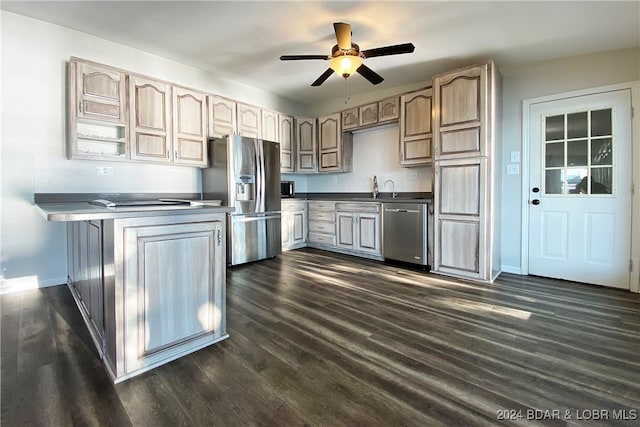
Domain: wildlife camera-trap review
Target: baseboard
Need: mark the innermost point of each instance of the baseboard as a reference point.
(19, 284)
(512, 269)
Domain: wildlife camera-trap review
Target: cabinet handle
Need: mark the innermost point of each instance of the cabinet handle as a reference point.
(219, 236)
(168, 156)
(175, 154)
(80, 107)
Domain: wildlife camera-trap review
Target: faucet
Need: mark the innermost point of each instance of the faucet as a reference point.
(375, 187)
(393, 187)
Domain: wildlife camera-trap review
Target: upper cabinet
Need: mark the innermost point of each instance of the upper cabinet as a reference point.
(371, 114)
(416, 132)
(335, 150)
(461, 100)
(306, 145)
(350, 118)
(249, 120)
(287, 149)
(270, 126)
(189, 127)
(388, 109)
(222, 116)
(150, 109)
(97, 112)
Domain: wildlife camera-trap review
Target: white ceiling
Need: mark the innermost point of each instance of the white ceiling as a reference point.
(242, 40)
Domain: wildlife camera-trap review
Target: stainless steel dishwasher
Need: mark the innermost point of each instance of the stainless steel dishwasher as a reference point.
(404, 232)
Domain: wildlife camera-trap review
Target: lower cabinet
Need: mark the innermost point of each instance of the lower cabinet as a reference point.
(160, 284)
(294, 224)
(322, 224)
(358, 227)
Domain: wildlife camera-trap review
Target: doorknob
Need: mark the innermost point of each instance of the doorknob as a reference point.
(535, 189)
(535, 202)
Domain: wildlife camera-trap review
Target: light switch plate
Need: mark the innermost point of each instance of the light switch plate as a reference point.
(413, 175)
(513, 169)
(515, 157)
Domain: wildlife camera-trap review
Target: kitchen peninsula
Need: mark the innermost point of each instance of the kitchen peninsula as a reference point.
(149, 279)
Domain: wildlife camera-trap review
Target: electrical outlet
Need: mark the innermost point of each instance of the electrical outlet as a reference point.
(104, 171)
(413, 175)
(335, 179)
(513, 169)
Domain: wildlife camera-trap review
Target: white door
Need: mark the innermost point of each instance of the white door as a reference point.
(580, 188)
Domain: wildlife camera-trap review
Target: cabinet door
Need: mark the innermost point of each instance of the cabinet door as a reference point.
(286, 232)
(415, 128)
(459, 217)
(100, 93)
(368, 114)
(350, 118)
(368, 233)
(189, 127)
(175, 275)
(346, 230)
(150, 108)
(249, 121)
(222, 117)
(461, 99)
(286, 144)
(388, 109)
(299, 228)
(329, 143)
(270, 126)
(306, 145)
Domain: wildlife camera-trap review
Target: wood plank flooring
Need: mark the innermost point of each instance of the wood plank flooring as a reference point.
(328, 340)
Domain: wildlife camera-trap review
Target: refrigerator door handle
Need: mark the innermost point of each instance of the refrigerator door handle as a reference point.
(261, 175)
(258, 174)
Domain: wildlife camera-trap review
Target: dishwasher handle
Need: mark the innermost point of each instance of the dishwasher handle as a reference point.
(402, 210)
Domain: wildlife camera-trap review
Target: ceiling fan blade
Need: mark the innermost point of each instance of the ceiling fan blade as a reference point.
(389, 50)
(343, 35)
(298, 57)
(323, 77)
(369, 74)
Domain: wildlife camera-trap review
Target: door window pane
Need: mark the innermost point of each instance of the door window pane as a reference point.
(577, 154)
(577, 125)
(553, 181)
(601, 152)
(601, 122)
(601, 180)
(554, 128)
(575, 179)
(554, 154)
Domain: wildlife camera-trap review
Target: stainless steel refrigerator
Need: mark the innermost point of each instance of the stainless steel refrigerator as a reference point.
(245, 173)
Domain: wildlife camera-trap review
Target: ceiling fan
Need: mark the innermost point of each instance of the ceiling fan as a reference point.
(346, 57)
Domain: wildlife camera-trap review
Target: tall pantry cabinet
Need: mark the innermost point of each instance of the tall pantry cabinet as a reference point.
(467, 186)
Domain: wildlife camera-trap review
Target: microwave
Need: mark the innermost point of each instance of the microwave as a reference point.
(287, 189)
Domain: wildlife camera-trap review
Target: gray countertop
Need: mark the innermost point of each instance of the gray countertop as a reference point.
(82, 211)
(365, 199)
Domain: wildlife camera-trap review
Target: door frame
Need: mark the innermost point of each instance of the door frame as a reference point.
(634, 87)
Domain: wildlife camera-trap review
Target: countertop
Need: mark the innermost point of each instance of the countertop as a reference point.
(75, 207)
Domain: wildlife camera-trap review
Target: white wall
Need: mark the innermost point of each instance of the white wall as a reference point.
(34, 56)
(537, 80)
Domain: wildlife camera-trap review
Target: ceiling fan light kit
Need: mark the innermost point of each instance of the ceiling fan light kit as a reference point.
(346, 58)
(345, 65)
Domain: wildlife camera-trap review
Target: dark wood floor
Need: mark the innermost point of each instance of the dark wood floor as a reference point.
(324, 339)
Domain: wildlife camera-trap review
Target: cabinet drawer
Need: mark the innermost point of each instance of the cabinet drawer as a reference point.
(322, 227)
(322, 239)
(359, 207)
(322, 216)
(292, 205)
(321, 206)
